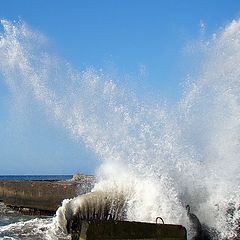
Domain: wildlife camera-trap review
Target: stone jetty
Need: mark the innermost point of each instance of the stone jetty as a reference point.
(44, 196)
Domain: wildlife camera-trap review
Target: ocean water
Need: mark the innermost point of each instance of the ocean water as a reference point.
(16, 226)
(36, 177)
(161, 155)
(9, 216)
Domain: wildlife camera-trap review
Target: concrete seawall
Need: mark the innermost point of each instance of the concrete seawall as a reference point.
(120, 230)
(42, 195)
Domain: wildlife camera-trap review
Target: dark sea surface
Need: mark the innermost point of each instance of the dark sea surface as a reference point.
(35, 177)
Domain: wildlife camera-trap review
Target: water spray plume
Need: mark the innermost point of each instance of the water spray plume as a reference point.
(162, 157)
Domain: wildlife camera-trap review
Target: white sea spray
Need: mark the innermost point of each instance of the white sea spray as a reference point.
(166, 156)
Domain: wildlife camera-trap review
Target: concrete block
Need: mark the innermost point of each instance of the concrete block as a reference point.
(123, 230)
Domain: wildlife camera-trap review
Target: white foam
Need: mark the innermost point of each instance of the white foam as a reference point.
(33, 229)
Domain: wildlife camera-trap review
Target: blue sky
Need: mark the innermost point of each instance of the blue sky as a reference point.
(124, 36)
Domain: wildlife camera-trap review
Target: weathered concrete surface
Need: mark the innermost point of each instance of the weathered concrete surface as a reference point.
(42, 195)
(110, 230)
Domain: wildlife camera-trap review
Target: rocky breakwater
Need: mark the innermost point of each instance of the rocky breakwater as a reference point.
(42, 196)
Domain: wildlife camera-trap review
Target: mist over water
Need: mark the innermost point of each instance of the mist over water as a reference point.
(161, 156)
